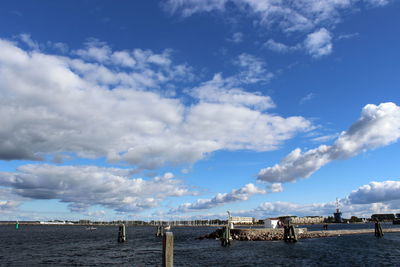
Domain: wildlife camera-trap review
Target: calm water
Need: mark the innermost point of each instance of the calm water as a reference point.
(75, 246)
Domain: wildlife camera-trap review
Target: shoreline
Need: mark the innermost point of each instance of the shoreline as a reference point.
(277, 234)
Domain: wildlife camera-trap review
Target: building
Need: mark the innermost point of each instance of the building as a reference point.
(241, 220)
(272, 223)
(338, 214)
(383, 217)
(307, 220)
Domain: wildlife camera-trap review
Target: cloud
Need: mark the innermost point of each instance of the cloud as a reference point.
(319, 43)
(375, 192)
(252, 69)
(190, 7)
(308, 97)
(348, 36)
(60, 106)
(324, 138)
(95, 50)
(280, 47)
(220, 90)
(378, 2)
(235, 195)
(375, 197)
(96, 214)
(85, 186)
(272, 209)
(8, 205)
(58, 46)
(237, 37)
(378, 126)
(276, 187)
(289, 16)
(26, 38)
(304, 16)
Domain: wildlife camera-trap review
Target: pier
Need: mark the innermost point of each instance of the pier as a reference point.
(265, 234)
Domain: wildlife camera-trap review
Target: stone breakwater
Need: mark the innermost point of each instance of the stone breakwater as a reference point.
(277, 234)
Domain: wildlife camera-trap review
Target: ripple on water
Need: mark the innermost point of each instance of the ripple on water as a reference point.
(75, 246)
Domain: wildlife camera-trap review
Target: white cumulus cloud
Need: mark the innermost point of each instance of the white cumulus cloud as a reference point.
(319, 43)
(376, 192)
(60, 106)
(85, 186)
(235, 195)
(378, 126)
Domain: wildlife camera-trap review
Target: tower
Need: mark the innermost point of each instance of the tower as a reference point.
(337, 215)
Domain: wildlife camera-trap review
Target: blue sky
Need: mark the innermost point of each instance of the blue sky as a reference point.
(185, 109)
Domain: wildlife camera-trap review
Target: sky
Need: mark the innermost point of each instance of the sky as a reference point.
(185, 109)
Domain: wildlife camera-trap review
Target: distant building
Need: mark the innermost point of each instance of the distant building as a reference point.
(271, 223)
(338, 214)
(55, 222)
(302, 220)
(383, 217)
(308, 220)
(241, 220)
(84, 222)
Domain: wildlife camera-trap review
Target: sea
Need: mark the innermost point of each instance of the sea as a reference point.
(52, 245)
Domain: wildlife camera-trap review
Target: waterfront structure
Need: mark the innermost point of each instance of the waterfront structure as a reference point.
(271, 223)
(241, 220)
(55, 222)
(383, 217)
(338, 214)
(302, 220)
(307, 220)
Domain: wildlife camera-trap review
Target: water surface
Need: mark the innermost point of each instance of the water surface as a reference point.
(75, 246)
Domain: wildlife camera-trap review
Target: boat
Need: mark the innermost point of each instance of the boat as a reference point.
(91, 228)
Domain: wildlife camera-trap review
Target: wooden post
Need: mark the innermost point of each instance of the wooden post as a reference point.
(226, 234)
(168, 249)
(293, 235)
(289, 233)
(378, 229)
(226, 237)
(160, 231)
(121, 234)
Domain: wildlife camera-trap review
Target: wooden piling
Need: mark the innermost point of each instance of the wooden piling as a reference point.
(378, 229)
(160, 231)
(168, 249)
(121, 234)
(289, 233)
(226, 237)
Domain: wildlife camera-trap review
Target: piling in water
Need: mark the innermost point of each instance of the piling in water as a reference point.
(378, 229)
(289, 233)
(226, 237)
(121, 234)
(168, 249)
(160, 231)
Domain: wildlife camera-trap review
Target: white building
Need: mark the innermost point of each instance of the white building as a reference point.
(308, 220)
(271, 223)
(241, 220)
